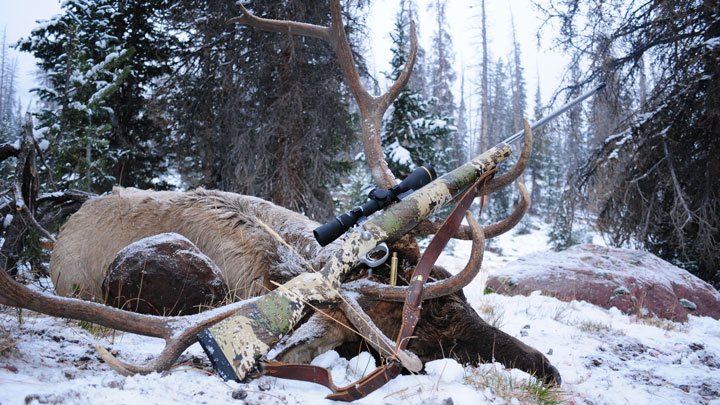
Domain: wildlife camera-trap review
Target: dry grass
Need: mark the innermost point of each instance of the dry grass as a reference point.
(6, 341)
(661, 323)
(508, 387)
(598, 327)
(492, 314)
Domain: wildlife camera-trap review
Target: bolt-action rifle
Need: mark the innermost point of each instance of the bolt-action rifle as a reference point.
(235, 344)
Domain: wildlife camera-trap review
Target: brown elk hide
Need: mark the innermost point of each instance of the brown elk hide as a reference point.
(224, 226)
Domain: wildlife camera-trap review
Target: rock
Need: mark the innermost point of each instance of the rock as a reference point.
(631, 280)
(445, 370)
(165, 274)
(239, 394)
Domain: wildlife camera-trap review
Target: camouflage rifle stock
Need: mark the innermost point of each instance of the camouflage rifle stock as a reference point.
(234, 345)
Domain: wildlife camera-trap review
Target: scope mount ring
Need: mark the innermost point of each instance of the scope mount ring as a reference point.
(370, 262)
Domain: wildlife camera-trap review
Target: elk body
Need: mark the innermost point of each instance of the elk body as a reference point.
(225, 226)
(232, 230)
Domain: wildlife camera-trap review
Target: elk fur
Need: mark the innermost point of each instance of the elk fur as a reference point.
(224, 226)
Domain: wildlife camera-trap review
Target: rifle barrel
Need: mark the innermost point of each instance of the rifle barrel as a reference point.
(544, 120)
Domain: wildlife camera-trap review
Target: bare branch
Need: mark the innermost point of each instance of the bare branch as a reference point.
(26, 180)
(8, 150)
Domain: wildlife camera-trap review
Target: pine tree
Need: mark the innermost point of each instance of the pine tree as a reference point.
(519, 96)
(443, 77)
(420, 76)
(543, 167)
(10, 118)
(483, 143)
(500, 124)
(461, 139)
(260, 113)
(656, 179)
(98, 59)
(412, 135)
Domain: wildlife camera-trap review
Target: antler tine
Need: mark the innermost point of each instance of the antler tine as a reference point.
(512, 174)
(439, 288)
(518, 213)
(293, 27)
(430, 227)
(372, 108)
(179, 332)
(374, 336)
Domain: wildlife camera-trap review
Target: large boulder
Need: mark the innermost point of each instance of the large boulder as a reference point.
(633, 281)
(165, 274)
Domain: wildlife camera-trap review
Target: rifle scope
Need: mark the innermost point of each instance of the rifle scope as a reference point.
(379, 199)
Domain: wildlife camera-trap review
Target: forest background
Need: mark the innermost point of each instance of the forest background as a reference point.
(166, 94)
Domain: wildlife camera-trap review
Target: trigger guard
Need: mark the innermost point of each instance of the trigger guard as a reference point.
(374, 263)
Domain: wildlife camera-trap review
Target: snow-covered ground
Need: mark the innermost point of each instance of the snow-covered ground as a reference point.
(603, 357)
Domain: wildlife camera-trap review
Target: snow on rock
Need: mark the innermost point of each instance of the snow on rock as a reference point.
(361, 365)
(445, 370)
(631, 280)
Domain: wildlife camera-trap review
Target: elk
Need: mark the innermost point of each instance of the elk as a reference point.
(80, 257)
(232, 230)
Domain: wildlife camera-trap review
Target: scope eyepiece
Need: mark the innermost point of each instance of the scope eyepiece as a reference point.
(379, 199)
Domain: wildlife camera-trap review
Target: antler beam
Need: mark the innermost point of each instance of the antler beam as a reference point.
(372, 108)
(179, 332)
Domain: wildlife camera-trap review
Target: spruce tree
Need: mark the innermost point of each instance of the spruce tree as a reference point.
(500, 125)
(98, 60)
(261, 113)
(10, 117)
(655, 180)
(412, 135)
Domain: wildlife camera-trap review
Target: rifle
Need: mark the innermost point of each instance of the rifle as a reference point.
(236, 343)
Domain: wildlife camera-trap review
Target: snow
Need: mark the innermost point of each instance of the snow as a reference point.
(399, 154)
(713, 42)
(8, 220)
(43, 144)
(445, 370)
(604, 356)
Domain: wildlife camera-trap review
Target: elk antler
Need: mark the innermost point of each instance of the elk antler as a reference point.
(371, 108)
(431, 226)
(179, 332)
(457, 282)
(491, 231)
(512, 174)
(437, 289)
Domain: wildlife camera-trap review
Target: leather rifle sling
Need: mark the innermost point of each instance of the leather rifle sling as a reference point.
(411, 314)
